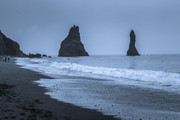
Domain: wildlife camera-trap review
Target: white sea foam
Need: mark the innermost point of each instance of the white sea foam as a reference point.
(144, 75)
(87, 84)
(74, 69)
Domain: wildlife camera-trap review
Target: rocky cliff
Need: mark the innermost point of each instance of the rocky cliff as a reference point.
(72, 46)
(132, 51)
(9, 47)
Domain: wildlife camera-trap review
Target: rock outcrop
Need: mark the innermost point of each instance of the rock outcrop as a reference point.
(38, 55)
(132, 51)
(72, 46)
(9, 47)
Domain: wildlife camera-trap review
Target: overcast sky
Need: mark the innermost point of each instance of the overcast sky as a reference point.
(39, 26)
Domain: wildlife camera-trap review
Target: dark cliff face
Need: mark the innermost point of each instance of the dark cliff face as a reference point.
(72, 46)
(132, 51)
(9, 47)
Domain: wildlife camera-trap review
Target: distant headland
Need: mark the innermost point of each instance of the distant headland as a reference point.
(9, 47)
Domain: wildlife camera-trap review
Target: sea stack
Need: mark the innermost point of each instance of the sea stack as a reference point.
(9, 47)
(72, 46)
(132, 51)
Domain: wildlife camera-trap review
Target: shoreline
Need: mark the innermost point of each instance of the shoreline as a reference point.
(23, 99)
(129, 102)
(126, 102)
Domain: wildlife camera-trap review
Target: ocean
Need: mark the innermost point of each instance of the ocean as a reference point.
(97, 82)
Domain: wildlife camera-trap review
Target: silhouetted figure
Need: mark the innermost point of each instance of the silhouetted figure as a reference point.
(5, 59)
(132, 51)
(8, 58)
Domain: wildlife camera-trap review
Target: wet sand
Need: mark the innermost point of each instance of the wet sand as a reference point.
(124, 101)
(21, 98)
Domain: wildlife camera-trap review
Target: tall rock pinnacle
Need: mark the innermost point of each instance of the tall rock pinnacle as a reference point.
(72, 46)
(132, 51)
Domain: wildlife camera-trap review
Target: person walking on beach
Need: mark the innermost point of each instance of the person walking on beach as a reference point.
(5, 59)
(8, 58)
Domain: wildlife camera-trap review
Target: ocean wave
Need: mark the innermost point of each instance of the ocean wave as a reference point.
(51, 67)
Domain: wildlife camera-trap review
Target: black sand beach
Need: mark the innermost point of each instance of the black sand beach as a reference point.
(21, 99)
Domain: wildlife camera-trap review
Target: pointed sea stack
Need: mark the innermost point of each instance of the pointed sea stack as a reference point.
(72, 46)
(132, 51)
(9, 47)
